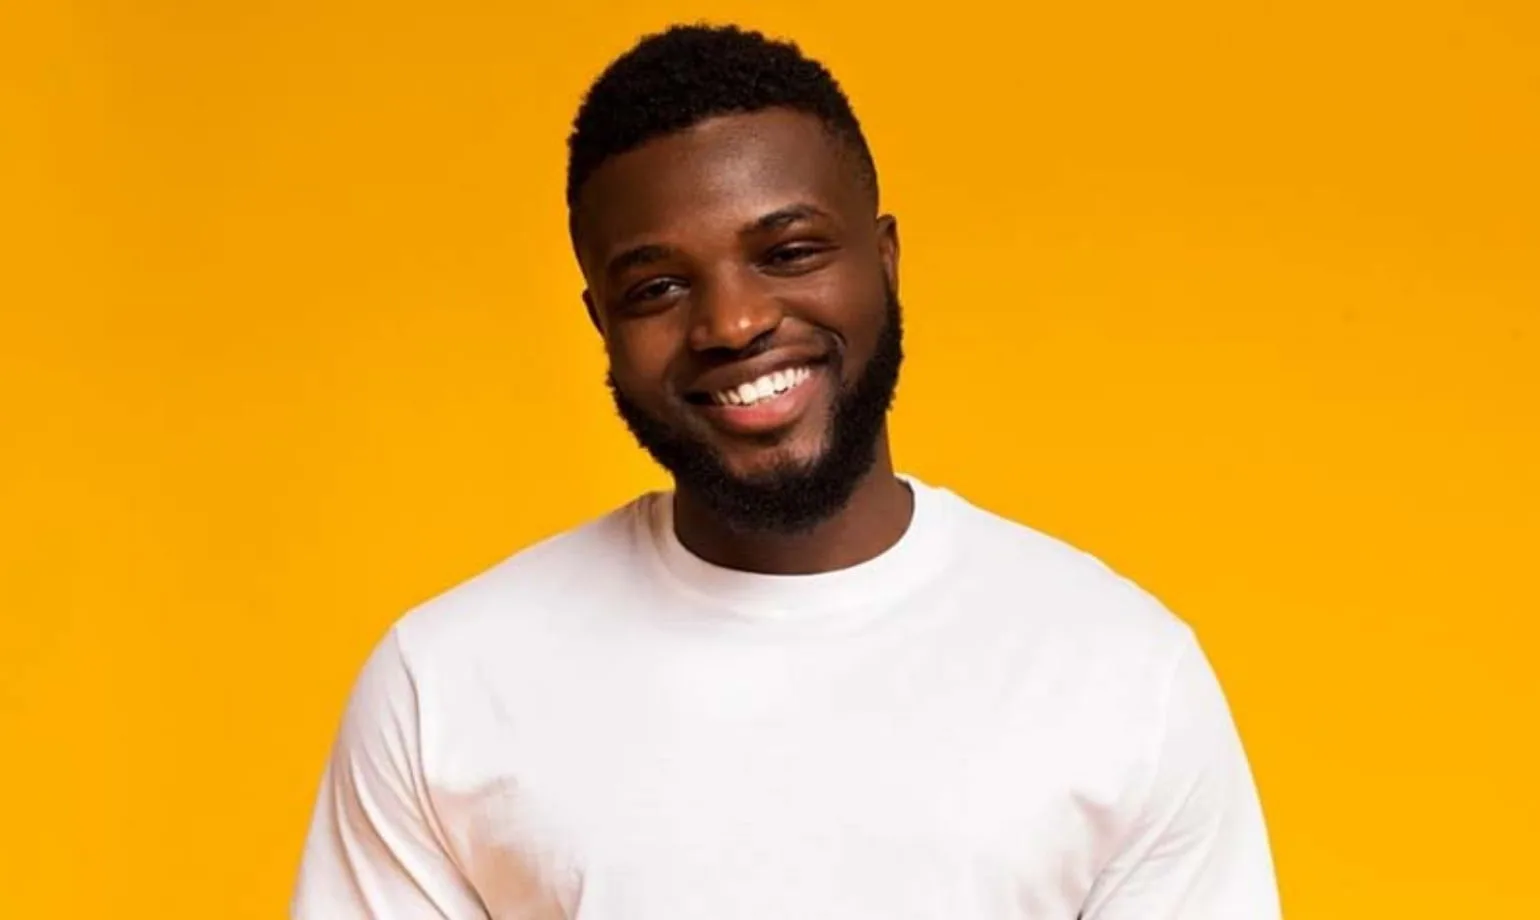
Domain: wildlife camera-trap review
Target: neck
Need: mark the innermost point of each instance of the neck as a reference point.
(870, 523)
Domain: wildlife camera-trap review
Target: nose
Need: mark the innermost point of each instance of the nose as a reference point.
(729, 312)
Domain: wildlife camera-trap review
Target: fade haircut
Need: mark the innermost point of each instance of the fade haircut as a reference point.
(672, 80)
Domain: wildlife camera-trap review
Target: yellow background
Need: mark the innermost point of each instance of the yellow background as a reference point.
(1243, 297)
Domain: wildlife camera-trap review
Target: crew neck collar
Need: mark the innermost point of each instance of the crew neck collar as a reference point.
(918, 554)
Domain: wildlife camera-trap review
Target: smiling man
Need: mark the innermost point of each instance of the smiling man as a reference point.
(798, 685)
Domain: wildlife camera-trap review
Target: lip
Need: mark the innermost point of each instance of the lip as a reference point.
(769, 415)
(737, 373)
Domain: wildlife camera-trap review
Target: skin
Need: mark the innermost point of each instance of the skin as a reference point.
(746, 242)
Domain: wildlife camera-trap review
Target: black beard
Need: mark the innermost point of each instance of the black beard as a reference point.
(796, 496)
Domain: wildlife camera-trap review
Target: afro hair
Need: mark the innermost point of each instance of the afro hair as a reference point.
(672, 80)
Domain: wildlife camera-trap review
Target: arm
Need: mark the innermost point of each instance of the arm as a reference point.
(374, 851)
(1200, 848)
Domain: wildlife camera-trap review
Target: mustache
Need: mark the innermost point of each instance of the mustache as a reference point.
(766, 341)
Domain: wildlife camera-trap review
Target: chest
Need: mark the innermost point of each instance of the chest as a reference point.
(775, 783)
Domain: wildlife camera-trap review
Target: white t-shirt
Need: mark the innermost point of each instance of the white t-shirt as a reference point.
(979, 724)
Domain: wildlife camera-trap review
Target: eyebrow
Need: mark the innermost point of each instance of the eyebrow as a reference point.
(637, 256)
(783, 217)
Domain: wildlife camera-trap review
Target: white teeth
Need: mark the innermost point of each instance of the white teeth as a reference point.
(764, 387)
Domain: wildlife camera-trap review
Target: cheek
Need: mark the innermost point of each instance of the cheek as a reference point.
(857, 313)
(639, 361)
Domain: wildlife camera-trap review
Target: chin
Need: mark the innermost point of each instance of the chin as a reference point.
(767, 469)
(772, 462)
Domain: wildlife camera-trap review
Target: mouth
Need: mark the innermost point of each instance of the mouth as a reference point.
(767, 403)
(760, 389)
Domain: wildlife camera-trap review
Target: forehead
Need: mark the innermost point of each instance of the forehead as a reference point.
(725, 170)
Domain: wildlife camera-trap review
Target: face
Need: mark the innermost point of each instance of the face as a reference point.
(746, 291)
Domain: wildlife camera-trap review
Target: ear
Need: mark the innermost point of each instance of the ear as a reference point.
(887, 248)
(593, 313)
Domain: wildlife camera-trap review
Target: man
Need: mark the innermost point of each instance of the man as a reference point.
(797, 686)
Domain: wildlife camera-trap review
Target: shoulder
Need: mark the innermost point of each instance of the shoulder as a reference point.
(1063, 592)
(519, 594)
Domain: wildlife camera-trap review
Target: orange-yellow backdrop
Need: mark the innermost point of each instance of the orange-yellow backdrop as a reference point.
(1244, 298)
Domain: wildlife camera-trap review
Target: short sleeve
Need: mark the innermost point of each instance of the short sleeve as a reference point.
(374, 851)
(1200, 849)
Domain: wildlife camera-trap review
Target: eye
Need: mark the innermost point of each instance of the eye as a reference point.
(797, 257)
(791, 254)
(655, 289)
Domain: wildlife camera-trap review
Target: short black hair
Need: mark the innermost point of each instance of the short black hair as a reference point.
(674, 79)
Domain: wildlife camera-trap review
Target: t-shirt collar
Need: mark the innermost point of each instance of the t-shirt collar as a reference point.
(916, 557)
